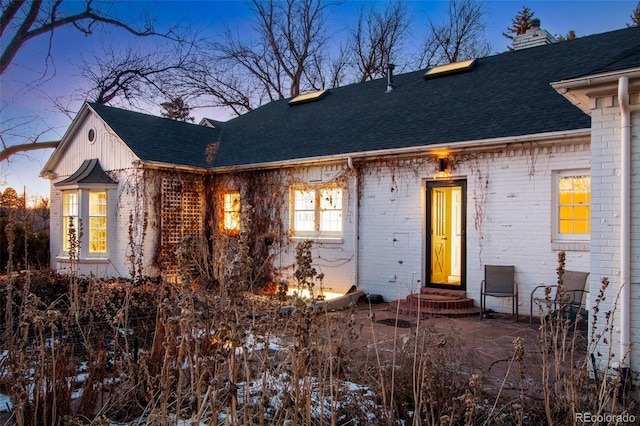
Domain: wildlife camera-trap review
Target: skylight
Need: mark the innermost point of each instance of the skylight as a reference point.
(308, 97)
(452, 68)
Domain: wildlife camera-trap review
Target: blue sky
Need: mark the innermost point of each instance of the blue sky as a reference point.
(61, 77)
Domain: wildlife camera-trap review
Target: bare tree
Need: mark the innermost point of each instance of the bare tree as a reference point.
(223, 85)
(377, 37)
(24, 20)
(11, 129)
(130, 75)
(460, 37)
(274, 62)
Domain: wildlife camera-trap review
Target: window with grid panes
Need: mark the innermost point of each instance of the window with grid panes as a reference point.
(70, 211)
(231, 211)
(97, 222)
(573, 205)
(317, 212)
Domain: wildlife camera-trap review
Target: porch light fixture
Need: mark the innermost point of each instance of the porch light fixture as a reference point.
(442, 164)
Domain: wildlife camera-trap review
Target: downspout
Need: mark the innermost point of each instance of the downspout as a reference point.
(625, 225)
(356, 223)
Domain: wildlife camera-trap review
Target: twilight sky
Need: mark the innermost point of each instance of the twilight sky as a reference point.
(21, 100)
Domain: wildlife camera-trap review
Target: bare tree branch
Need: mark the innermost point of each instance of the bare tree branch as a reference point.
(376, 38)
(42, 18)
(130, 75)
(277, 61)
(22, 21)
(14, 149)
(460, 37)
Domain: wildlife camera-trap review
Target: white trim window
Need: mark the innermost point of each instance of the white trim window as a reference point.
(97, 222)
(87, 209)
(317, 211)
(572, 217)
(70, 212)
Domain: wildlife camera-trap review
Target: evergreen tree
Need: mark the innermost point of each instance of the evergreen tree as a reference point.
(635, 17)
(520, 23)
(571, 35)
(176, 109)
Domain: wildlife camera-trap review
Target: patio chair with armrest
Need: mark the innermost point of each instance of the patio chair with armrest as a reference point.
(499, 281)
(574, 283)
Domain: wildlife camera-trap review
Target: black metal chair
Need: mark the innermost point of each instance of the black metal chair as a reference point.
(571, 304)
(499, 281)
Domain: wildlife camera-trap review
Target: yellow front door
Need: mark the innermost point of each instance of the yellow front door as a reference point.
(446, 233)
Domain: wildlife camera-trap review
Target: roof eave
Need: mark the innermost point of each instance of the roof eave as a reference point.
(56, 155)
(580, 90)
(394, 152)
(158, 165)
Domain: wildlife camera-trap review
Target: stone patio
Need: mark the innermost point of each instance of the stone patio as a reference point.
(487, 345)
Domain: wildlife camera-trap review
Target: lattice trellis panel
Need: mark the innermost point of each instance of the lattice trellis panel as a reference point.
(181, 216)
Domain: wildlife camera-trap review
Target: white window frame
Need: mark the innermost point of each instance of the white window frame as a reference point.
(564, 237)
(84, 214)
(310, 204)
(98, 222)
(70, 212)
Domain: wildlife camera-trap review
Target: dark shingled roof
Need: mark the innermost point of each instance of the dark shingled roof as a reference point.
(90, 171)
(160, 139)
(505, 95)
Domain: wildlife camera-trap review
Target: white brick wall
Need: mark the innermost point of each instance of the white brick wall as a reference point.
(605, 241)
(335, 259)
(516, 228)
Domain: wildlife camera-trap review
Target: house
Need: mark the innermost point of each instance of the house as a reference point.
(414, 181)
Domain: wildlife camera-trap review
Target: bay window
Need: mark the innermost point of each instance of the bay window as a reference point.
(86, 210)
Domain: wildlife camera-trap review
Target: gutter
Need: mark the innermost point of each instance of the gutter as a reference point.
(608, 77)
(394, 152)
(356, 224)
(625, 223)
(157, 165)
(580, 97)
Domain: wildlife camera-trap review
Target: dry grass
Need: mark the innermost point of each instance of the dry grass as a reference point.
(86, 351)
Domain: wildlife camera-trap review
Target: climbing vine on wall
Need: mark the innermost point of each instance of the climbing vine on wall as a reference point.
(262, 196)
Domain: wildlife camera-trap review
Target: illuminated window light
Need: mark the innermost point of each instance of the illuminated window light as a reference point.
(231, 212)
(452, 68)
(308, 97)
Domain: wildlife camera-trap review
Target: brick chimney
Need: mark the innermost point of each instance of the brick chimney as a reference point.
(535, 36)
